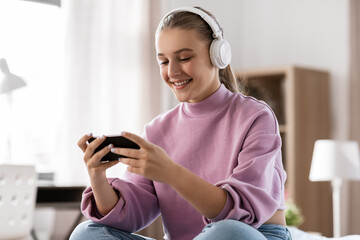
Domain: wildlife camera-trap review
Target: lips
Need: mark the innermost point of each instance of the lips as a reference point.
(181, 84)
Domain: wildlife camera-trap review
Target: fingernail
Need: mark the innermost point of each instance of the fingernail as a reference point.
(122, 133)
(111, 146)
(89, 134)
(102, 137)
(119, 159)
(112, 149)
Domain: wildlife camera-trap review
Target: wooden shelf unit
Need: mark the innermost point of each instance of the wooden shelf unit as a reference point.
(299, 98)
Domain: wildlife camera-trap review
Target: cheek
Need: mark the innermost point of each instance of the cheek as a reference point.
(164, 73)
(191, 69)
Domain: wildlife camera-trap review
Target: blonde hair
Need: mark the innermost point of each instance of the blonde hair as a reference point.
(191, 21)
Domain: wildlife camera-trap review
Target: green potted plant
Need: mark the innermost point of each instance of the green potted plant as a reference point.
(293, 214)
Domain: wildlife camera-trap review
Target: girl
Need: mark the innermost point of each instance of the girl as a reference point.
(211, 166)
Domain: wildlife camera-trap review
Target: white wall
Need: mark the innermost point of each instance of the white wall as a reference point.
(309, 33)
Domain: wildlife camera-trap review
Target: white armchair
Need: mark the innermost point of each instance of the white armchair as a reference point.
(17, 201)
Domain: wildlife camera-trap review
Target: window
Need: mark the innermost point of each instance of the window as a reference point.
(32, 42)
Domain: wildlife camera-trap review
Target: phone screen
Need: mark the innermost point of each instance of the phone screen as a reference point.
(117, 141)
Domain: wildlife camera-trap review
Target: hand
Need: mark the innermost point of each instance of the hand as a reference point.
(92, 160)
(104, 194)
(150, 161)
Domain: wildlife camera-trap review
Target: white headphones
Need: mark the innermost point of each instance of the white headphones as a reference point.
(220, 50)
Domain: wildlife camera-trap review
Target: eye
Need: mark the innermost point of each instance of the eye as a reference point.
(163, 62)
(185, 59)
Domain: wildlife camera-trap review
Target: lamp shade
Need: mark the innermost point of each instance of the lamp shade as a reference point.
(9, 81)
(335, 159)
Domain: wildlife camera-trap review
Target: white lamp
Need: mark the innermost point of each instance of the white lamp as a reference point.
(335, 161)
(8, 83)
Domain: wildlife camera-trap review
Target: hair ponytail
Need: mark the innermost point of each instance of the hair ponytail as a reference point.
(228, 78)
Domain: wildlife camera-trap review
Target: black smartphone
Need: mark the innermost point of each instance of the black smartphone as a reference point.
(117, 141)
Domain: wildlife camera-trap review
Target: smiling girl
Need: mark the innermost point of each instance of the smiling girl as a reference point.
(211, 166)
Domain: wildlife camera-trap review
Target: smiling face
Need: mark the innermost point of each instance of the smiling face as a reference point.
(185, 64)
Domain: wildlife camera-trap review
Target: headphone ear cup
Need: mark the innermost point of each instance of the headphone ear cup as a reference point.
(220, 53)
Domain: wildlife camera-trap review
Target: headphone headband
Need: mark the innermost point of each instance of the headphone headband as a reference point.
(217, 32)
(220, 50)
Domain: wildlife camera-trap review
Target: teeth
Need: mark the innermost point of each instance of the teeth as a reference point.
(181, 83)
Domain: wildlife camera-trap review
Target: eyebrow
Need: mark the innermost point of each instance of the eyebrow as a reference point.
(179, 51)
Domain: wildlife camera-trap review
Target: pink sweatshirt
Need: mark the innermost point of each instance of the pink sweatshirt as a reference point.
(228, 139)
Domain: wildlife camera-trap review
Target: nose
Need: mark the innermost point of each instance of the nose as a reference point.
(174, 69)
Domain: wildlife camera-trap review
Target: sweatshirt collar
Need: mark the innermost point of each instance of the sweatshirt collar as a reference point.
(212, 103)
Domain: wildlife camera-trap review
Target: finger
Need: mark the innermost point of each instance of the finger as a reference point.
(100, 154)
(95, 160)
(104, 165)
(92, 146)
(131, 162)
(128, 152)
(135, 138)
(82, 142)
(135, 170)
(109, 164)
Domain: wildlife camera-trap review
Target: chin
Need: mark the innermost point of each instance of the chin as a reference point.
(182, 98)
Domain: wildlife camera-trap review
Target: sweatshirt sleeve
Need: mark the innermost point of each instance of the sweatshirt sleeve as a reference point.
(137, 206)
(255, 187)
